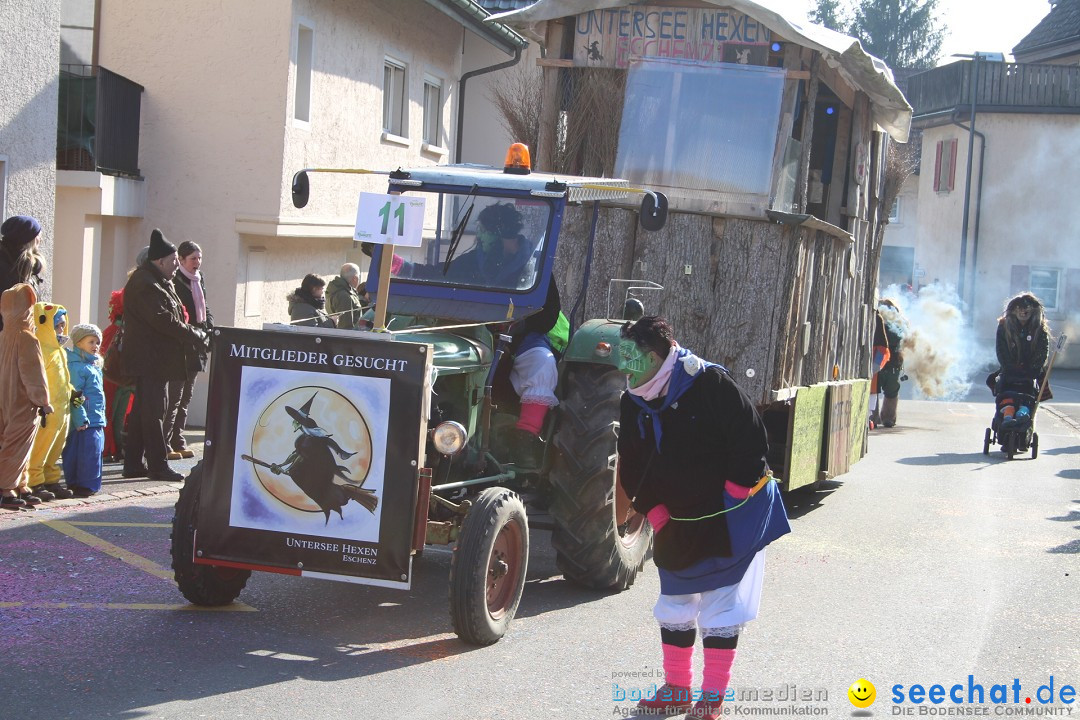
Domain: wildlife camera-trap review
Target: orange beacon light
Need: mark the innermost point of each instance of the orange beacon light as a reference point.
(518, 161)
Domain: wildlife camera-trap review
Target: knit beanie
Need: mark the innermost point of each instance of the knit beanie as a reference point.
(19, 230)
(84, 330)
(159, 246)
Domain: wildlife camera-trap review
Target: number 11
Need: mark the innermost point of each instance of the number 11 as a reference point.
(399, 214)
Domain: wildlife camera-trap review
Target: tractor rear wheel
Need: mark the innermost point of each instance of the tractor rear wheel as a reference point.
(209, 585)
(600, 541)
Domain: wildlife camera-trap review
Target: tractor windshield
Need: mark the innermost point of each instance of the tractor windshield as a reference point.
(484, 242)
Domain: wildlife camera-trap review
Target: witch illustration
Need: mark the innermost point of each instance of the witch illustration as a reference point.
(313, 468)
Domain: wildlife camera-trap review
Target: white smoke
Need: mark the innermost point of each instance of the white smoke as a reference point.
(941, 354)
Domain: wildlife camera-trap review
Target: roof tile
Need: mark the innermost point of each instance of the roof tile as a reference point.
(1061, 23)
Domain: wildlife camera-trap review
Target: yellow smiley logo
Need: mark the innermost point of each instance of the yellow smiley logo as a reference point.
(862, 693)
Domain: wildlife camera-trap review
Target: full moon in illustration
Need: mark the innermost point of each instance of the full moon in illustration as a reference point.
(274, 437)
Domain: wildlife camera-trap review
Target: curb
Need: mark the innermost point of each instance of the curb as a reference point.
(1062, 417)
(101, 497)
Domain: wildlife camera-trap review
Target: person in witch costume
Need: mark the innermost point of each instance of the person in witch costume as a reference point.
(692, 458)
(312, 466)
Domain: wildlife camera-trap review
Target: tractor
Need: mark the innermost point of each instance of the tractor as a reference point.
(469, 479)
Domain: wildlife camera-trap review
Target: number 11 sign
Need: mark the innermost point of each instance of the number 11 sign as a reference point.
(390, 219)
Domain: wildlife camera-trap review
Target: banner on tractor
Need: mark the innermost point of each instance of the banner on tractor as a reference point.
(314, 443)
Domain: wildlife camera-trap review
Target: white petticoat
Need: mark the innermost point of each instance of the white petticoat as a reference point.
(534, 376)
(720, 612)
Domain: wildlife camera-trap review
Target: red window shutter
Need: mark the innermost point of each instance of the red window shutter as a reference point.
(952, 164)
(937, 168)
(1020, 280)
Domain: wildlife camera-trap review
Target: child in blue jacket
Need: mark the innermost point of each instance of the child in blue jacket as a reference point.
(86, 436)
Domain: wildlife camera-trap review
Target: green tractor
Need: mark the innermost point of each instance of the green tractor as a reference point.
(476, 481)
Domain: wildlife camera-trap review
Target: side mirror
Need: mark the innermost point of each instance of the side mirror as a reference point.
(653, 213)
(301, 189)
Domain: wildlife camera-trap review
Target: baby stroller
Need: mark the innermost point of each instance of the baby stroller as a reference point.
(1016, 433)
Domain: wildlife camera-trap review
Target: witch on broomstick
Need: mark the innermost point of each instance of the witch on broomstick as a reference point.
(312, 466)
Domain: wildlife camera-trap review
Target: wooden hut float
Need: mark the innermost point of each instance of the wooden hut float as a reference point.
(769, 137)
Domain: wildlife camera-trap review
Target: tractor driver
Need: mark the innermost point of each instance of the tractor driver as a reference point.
(500, 258)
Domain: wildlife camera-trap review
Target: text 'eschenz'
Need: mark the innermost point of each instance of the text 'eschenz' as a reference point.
(251, 352)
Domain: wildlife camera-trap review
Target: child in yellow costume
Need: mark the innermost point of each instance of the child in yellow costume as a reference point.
(23, 391)
(50, 325)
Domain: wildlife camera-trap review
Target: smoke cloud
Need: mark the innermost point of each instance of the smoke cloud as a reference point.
(941, 354)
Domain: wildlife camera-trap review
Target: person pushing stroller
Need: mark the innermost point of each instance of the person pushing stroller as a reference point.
(1023, 346)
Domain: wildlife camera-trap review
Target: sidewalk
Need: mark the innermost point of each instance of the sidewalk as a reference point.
(116, 487)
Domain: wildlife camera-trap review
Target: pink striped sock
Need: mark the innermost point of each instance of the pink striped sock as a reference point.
(677, 665)
(717, 674)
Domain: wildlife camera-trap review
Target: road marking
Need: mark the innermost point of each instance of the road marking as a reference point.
(91, 523)
(136, 561)
(235, 607)
(432, 647)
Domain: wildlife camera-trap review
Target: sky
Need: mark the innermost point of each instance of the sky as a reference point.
(983, 25)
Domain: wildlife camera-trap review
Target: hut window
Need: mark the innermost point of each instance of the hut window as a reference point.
(700, 130)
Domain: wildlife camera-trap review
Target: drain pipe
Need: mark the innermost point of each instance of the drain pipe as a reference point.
(461, 96)
(978, 212)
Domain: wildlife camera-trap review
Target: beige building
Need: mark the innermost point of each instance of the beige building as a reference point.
(29, 56)
(232, 108)
(1021, 231)
(232, 99)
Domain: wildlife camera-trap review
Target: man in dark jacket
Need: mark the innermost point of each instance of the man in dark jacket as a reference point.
(343, 301)
(157, 348)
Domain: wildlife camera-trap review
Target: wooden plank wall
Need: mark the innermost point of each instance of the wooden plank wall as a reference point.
(753, 285)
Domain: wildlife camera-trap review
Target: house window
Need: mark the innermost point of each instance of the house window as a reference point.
(1044, 283)
(894, 211)
(395, 119)
(945, 166)
(305, 48)
(433, 112)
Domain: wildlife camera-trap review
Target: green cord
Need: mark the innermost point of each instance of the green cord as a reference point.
(718, 512)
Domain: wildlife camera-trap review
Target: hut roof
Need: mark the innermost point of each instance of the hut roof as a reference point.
(865, 72)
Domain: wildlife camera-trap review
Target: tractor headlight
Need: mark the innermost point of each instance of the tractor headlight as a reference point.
(449, 437)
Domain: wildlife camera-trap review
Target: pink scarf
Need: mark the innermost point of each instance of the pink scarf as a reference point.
(196, 294)
(658, 385)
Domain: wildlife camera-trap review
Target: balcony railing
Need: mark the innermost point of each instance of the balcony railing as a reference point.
(98, 121)
(1002, 87)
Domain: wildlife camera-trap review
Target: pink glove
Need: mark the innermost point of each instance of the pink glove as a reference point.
(396, 263)
(739, 492)
(658, 517)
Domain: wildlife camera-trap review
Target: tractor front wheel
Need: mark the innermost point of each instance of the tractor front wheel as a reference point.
(600, 541)
(487, 570)
(208, 585)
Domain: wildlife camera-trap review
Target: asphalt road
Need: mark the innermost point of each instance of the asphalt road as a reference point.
(928, 563)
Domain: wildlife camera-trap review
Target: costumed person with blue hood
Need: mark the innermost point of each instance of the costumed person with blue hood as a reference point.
(692, 458)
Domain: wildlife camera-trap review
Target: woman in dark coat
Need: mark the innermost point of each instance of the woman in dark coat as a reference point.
(1023, 346)
(191, 289)
(692, 458)
(307, 303)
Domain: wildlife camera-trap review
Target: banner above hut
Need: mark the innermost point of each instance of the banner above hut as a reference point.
(612, 37)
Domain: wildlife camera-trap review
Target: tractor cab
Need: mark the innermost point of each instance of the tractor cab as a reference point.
(490, 241)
